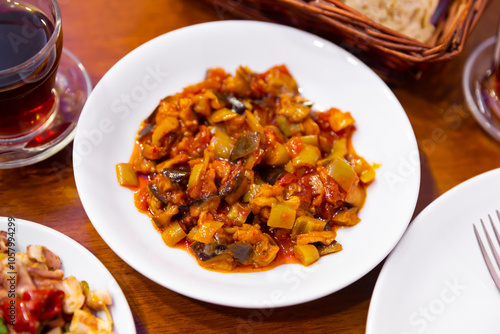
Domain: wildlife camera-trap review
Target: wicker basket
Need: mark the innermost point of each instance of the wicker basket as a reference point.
(393, 55)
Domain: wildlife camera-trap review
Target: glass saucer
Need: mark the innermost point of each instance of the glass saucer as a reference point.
(72, 88)
(478, 63)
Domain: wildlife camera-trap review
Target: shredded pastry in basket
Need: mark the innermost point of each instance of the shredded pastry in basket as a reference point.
(241, 171)
(409, 17)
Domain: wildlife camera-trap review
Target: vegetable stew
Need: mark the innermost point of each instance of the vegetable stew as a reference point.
(242, 170)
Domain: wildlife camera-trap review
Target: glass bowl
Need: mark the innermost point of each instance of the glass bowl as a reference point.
(478, 63)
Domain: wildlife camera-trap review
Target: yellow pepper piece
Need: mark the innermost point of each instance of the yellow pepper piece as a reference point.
(168, 125)
(356, 196)
(347, 217)
(126, 175)
(365, 171)
(307, 157)
(340, 120)
(206, 231)
(192, 233)
(282, 215)
(253, 189)
(339, 149)
(221, 115)
(253, 122)
(288, 128)
(310, 140)
(283, 125)
(343, 173)
(195, 175)
(173, 234)
(289, 167)
(277, 156)
(325, 237)
(239, 213)
(368, 175)
(306, 254)
(222, 144)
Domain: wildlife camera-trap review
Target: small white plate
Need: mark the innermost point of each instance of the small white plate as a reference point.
(435, 280)
(76, 261)
(327, 75)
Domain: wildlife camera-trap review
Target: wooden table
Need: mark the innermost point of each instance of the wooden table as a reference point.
(453, 149)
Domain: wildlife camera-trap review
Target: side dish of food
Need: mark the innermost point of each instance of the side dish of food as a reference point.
(36, 297)
(242, 172)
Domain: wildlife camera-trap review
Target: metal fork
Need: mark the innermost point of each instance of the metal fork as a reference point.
(486, 256)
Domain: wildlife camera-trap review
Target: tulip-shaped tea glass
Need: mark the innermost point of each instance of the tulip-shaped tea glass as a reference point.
(43, 87)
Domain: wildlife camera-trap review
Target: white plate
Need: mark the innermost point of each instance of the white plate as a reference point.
(327, 75)
(435, 280)
(76, 261)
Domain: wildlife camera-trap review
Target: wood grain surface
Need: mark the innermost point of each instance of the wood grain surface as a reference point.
(453, 148)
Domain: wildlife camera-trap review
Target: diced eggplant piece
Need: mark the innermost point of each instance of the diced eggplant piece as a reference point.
(156, 192)
(150, 124)
(245, 144)
(232, 184)
(176, 175)
(203, 200)
(306, 224)
(232, 102)
(241, 250)
(205, 252)
(152, 117)
(221, 97)
(236, 105)
(234, 188)
(183, 212)
(271, 174)
(222, 238)
(157, 223)
(202, 120)
(328, 249)
(147, 129)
